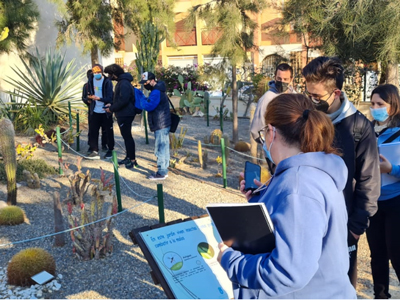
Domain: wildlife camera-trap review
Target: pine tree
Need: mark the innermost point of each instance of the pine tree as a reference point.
(19, 16)
(234, 20)
(89, 24)
(364, 30)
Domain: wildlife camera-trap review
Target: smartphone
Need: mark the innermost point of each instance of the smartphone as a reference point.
(251, 172)
(105, 107)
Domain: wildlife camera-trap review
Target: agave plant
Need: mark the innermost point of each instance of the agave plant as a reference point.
(49, 82)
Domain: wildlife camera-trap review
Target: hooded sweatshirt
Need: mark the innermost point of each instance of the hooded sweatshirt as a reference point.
(311, 260)
(345, 110)
(258, 119)
(124, 97)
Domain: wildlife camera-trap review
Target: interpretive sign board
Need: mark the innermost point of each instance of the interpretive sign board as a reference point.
(183, 257)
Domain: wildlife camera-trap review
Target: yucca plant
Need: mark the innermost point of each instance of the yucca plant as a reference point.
(49, 82)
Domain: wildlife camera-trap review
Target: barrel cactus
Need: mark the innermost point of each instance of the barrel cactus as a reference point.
(27, 263)
(7, 149)
(216, 136)
(11, 215)
(242, 146)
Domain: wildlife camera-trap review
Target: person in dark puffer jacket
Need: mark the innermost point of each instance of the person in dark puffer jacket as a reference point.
(159, 119)
(124, 108)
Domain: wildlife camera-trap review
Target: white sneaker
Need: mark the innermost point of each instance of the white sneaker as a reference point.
(200, 114)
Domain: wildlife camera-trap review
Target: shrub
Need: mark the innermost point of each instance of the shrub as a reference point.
(27, 263)
(11, 215)
(38, 166)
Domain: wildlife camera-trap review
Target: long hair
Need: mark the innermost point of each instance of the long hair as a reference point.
(390, 94)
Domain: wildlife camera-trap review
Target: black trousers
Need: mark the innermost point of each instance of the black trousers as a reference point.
(103, 134)
(105, 122)
(352, 243)
(383, 237)
(125, 126)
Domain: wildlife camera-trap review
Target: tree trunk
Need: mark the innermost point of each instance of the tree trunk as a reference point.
(392, 73)
(94, 55)
(235, 106)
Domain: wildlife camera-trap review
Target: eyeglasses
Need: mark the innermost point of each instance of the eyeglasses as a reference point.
(317, 98)
(261, 134)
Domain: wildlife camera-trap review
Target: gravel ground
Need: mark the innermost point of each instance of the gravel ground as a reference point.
(125, 274)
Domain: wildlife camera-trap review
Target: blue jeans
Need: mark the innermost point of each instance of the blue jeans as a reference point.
(162, 150)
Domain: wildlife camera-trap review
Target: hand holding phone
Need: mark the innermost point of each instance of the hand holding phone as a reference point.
(251, 172)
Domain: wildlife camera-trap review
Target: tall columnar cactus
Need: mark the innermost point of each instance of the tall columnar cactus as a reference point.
(7, 149)
(148, 47)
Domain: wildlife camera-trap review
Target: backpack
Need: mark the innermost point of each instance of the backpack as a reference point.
(358, 129)
(137, 95)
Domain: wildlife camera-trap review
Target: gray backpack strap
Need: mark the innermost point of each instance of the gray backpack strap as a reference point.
(358, 129)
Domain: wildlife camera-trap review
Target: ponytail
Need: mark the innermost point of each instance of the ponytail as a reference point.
(300, 124)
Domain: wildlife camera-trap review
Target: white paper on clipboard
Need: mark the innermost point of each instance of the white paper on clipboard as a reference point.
(392, 153)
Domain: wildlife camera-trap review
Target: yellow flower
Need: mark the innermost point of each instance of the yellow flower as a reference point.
(219, 160)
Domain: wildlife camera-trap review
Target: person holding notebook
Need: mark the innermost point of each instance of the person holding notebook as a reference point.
(383, 234)
(306, 206)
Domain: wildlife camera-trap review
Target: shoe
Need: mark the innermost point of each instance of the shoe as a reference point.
(94, 155)
(124, 161)
(157, 176)
(108, 154)
(104, 148)
(200, 113)
(90, 150)
(131, 164)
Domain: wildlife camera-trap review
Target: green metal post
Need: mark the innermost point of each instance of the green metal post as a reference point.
(207, 99)
(221, 113)
(160, 197)
(77, 132)
(145, 126)
(58, 135)
(223, 162)
(116, 178)
(70, 116)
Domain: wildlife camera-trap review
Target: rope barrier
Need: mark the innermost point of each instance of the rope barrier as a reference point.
(78, 227)
(80, 154)
(245, 154)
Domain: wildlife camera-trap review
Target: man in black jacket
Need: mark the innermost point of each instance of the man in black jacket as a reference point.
(87, 101)
(100, 93)
(355, 138)
(124, 108)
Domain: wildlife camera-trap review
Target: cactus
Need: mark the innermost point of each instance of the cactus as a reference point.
(216, 136)
(79, 183)
(189, 98)
(242, 146)
(205, 159)
(33, 181)
(27, 263)
(206, 139)
(89, 241)
(11, 215)
(59, 239)
(7, 148)
(148, 47)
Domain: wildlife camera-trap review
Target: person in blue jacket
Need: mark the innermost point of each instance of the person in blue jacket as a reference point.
(305, 201)
(383, 234)
(159, 119)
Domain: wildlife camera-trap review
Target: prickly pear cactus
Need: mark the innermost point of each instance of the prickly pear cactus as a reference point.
(7, 149)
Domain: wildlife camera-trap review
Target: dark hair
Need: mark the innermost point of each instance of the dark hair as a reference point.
(390, 94)
(294, 116)
(284, 67)
(327, 70)
(114, 69)
(88, 73)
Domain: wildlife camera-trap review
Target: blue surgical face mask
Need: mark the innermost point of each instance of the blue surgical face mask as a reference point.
(268, 151)
(97, 76)
(379, 114)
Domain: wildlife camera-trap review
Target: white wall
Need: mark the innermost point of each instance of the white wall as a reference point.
(44, 37)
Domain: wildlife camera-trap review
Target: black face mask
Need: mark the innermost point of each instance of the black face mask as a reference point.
(148, 87)
(281, 86)
(322, 106)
